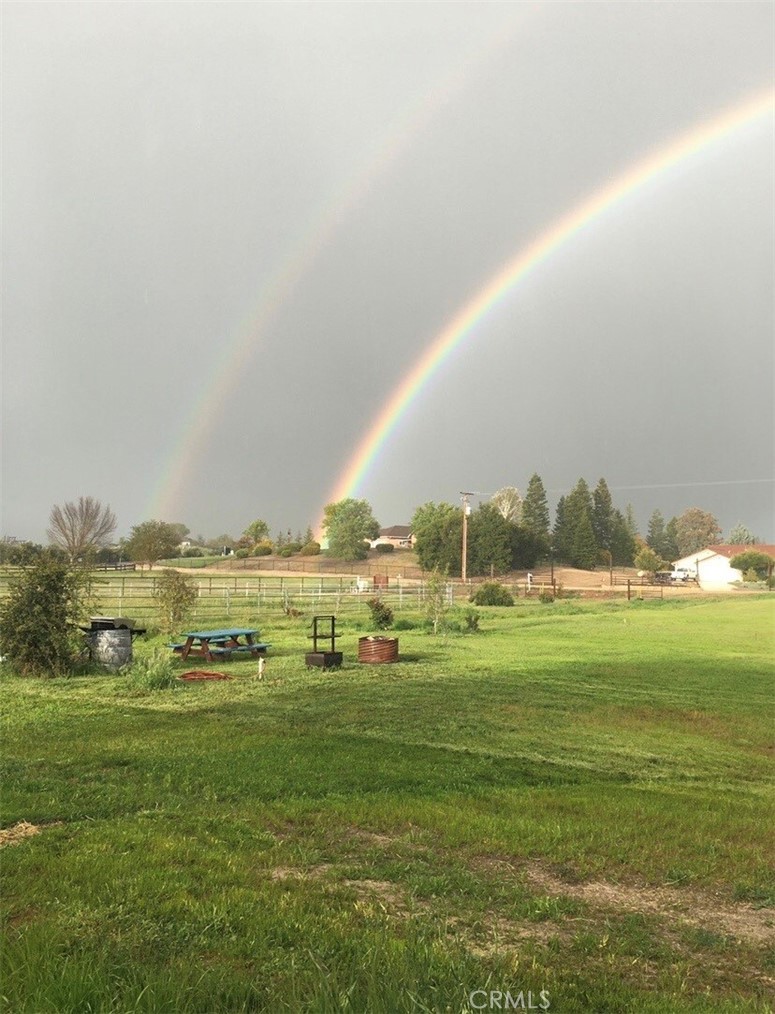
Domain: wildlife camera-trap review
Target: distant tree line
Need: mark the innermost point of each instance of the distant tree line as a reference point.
(509, 532)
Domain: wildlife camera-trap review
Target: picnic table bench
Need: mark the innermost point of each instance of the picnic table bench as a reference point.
(221, 644)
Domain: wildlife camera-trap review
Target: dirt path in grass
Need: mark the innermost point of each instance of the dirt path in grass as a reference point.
(697, 908)
(701, 909)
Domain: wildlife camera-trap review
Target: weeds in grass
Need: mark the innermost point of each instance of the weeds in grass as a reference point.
(155, 671)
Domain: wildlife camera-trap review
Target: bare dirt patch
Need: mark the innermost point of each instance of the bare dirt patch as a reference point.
(292, 873)
(385, 892)
(371, 837)
(695, 908)
(13, 835)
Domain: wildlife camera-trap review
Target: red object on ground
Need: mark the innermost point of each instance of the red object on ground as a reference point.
(201, 674)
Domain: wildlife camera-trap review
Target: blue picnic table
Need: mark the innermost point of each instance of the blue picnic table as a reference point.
(221, 644)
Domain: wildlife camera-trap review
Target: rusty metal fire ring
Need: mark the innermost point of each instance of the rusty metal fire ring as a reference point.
(376, 650)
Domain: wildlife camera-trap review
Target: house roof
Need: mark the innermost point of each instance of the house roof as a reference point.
(396, 532)
(728, 550)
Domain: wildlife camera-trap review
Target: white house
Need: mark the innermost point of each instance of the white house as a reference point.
(399, 536)
(711, 566)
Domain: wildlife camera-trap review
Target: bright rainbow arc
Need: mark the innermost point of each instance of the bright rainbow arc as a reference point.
(531, 257)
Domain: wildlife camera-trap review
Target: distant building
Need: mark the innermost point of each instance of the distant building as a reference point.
(399, 536)
(711, 567)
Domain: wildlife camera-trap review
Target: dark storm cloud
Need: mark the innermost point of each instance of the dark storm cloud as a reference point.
(161, 160)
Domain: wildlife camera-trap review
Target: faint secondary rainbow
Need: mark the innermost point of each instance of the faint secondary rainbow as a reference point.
(556, 236)
(239, 346)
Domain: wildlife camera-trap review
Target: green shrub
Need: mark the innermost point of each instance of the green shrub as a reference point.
(192, 552)
(384, 547)
(286, 551)
(471, 620)
(546, 597)
(39, 619)
(492, 594)
(262, 549)
(753, 559)
(381, 614)
(311, 549)
(242, 553)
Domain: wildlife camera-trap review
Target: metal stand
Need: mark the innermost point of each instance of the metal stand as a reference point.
(324, 629)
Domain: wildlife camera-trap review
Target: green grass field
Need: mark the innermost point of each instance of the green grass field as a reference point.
(573, 800)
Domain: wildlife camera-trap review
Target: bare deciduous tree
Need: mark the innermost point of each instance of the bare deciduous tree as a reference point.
(508, 503)
(81, 528)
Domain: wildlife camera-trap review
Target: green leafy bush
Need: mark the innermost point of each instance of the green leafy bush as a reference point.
(492, 594)
(546, 597)
(286, 551)
(471, 620)
(384, 547)
(755, 560)
(39, 619)
(242, 553)
(381, 614)
(262, 549)
(311, 549)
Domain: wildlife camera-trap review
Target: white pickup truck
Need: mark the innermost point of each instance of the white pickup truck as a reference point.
(681, 574)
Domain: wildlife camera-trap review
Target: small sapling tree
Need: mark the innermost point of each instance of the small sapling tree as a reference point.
(437, 599)
(175, 595)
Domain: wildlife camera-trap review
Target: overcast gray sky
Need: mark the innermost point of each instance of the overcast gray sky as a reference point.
(230, 230)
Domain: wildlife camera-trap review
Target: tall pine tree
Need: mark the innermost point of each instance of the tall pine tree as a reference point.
(602, 515)
(584, 551)
(535, 509)
(623, 545)
(560, 542)
(574, 534)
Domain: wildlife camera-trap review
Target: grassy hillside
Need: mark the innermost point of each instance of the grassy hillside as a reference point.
(572, 800)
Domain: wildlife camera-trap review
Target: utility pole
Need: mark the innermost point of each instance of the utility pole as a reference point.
(466, 512)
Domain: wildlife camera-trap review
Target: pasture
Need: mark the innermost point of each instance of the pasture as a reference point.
(570, 806)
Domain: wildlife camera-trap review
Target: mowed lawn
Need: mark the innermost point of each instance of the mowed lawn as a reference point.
(574, 800)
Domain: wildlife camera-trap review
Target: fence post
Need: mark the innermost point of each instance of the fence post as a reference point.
(629, 592)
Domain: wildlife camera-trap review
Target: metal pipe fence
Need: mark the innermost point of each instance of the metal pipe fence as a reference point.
(244, 597)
